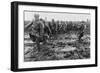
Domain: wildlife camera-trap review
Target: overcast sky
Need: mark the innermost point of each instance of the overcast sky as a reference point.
(29, 15)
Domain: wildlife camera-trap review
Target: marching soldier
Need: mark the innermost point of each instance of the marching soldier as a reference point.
(81, 31)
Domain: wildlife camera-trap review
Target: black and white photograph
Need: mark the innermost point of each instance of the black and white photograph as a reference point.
(56, 36)
(53, 36)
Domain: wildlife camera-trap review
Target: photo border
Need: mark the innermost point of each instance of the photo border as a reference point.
(14, 35)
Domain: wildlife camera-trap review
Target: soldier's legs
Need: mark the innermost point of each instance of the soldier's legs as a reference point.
(38, 44)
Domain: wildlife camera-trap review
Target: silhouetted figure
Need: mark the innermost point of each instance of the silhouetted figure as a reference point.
(81, 32)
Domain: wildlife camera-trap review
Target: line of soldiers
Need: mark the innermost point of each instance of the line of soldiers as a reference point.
(42, 30)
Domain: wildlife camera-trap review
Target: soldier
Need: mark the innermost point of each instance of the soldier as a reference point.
(81, 31)
(37, 31)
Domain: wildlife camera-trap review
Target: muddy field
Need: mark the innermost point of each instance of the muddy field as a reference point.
(64, 47)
